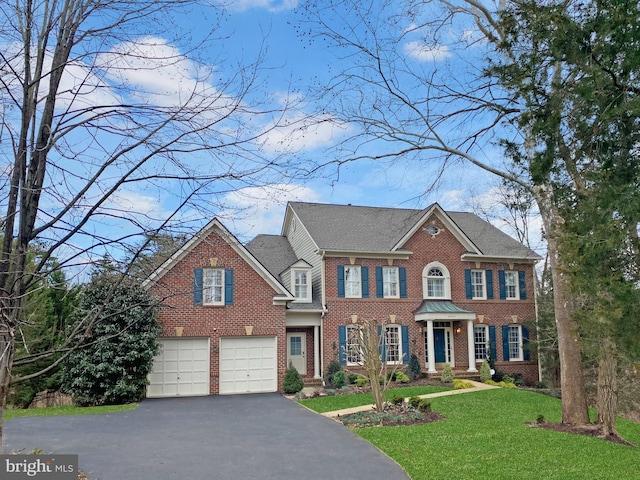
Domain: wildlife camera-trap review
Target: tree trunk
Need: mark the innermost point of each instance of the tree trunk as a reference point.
(574, 399)
(607, 397)
(7, 343)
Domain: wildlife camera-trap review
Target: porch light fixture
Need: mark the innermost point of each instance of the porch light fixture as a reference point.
(458, 330)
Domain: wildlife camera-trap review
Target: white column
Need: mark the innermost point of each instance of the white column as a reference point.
(470, 344)
(431, 351)
(316, 352)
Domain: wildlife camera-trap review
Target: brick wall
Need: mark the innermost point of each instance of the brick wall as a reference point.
(253, 298)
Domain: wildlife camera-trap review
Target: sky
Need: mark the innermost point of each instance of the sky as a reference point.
(291, 59)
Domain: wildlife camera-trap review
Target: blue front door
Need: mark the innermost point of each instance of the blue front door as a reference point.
(439, 345)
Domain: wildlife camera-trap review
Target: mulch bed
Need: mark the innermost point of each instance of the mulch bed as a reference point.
(589, 430)
(393, 415)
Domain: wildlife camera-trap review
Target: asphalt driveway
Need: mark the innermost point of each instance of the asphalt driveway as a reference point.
(218, 437)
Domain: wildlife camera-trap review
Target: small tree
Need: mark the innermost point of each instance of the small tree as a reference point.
(369, 343)
(117, 354)
(414, 369)
(292, 382)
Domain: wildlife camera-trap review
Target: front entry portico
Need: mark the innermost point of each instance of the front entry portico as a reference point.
(438, 316)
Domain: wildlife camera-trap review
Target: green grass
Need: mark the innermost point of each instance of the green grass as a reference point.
(485, 437)
(338, 402)
(67, 410)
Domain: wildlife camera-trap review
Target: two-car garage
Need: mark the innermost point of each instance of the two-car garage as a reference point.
(246, 365)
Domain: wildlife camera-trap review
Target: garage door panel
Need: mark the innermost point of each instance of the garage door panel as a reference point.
(248, 365)
(181, 368)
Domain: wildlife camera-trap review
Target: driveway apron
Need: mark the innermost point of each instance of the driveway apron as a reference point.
(243, 437)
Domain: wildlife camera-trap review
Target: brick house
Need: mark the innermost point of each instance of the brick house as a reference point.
(450, 287)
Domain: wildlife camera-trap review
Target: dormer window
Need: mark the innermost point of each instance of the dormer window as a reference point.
(436, 282)
(301, 282)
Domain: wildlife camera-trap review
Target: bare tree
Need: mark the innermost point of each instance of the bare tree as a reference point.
(420, 86)
(110, 134)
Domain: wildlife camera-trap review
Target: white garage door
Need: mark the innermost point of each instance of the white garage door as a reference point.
(181, 368)
(248, 365)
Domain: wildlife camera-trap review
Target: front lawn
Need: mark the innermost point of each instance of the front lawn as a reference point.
(484, 436)
(339, 402)
(10, 413)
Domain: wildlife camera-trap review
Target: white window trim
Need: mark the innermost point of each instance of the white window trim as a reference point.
(399, 337)
(350, 330)
(517, 285)
(484, 285)
(359, 289)
(308, 298)
(397, 283)
(446, 277)
(520, 358)
(205, 286)
(487, 341)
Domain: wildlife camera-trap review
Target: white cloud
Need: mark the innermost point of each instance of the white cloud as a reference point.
(426, 53)
(270, 5)
(254, 210)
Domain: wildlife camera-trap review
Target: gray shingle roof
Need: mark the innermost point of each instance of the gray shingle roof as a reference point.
(378, 229)
(274, 252)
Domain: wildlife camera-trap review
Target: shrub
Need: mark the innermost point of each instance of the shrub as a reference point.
(460, 384)
(497, 375)
(447, 374)
(500, 384)
(292, 382)
(415, 401)
(352, 378)
(424, 406)
(333, 367)
(541, 419)
(541, 385)
(397, 399)
(485, 371)
(402, 377)
(392, 376)
(339, 379)
(414, 370)
(362, 381)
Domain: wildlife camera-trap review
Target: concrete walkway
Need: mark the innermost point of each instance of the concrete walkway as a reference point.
(477, 386)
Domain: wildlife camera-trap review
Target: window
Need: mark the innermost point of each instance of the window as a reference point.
(511, 285)
(390, 282)
(392, 344)
(481, 337)
(515, 342)
(436, 282)
(353, 351)
(301, 284)
(213, 286)
(352, 288)
(478, 285)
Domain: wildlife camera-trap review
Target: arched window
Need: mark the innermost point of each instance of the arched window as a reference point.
(436, 282)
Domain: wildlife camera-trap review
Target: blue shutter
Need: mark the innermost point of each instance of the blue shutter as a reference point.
(467, 284)
(489, 276)
(523, 285)
(342, 345)
(364, 278)
(379, 283)
(492, 343)
(228, 286)
(505, 343)
(405, 343)
(503, 287)
(197, 286)
(525, 343)
(341, 281)
(402, 272)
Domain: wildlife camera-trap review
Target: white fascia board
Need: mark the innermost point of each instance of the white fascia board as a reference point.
(472, 257)
(398, 254)
(444, 218)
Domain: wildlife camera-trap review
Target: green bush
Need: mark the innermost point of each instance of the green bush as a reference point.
(502, 384)
(485, 371)
(401, 377)
(397, 399)
(339, 379)
(362, 381)
(333, 367)
(414, 370)
(460, 384)
(447, 374)
(541, 385)
(292, 382)
(507, 379)
(424, 406)
(352, 378)
(415, 401)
